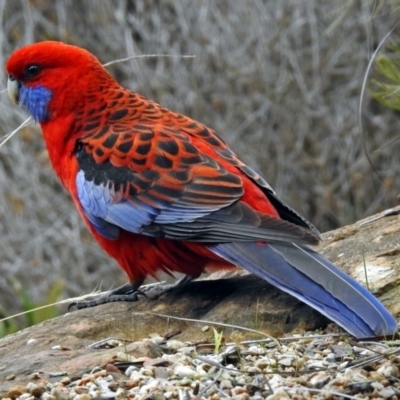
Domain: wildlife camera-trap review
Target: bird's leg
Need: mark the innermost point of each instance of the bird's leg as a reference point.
(127, 292)
(130, 292)
(155, 291)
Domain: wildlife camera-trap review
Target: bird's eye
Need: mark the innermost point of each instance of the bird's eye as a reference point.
(11, 78)
(32, 71)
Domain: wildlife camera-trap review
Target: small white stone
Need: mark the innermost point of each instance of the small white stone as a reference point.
(367, 353)
(125, 357)
(147, 388)
(26, 396)
(82, 397)
(175, 344)
(200, 371)
(35, 389)
(256, 350)
(317, 364)
(388, 370)
(59, 394)
(342, 365)
(120, 394)
(377, 385)
(278, 395)
(147, 372)
(318, 356)
(241, 381)
(183, 370)
(186, 382)
(286, 362)
(276, 381)
(47, 396)
(319, 380)
(330, 356)
(225, 384)
(387, 392)
(264, 362)
(355, 375)
(187, 350)
(253, 370)
(130, 370)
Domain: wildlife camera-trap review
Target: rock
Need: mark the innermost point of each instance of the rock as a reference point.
(15, 391)
(225, 384)
(184, 371)
(377, 385)
(34, 389)
(387, 393)
(388, 370)
(319, 380)
(279, 394)
(286, 362)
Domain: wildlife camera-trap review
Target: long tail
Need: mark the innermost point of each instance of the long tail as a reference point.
(314, 280)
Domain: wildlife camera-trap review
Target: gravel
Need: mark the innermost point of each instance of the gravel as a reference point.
(304, 367)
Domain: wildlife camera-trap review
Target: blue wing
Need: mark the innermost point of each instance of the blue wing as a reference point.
(202, 205)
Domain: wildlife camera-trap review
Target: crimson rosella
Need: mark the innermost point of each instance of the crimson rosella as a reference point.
(161, 191)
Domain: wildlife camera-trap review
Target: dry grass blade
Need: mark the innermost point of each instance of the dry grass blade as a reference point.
(362, 97)
(146, 56)
(200, 321)
(7, 137)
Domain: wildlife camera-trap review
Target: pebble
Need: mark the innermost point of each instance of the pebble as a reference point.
(387, 393)
(279, 394)
(377, 385)
(256, 350)
(276, 381)
(47, 396)
(131, 369)
(243, 396)
(175, 344)
(161, 373)
(225, 384)
(319, 380)
(287, 362)
(388, 370)
(34, 389)
(82, 397)
(183, 370)
(317, 364)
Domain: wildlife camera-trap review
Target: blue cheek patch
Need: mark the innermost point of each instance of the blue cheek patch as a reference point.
(35, 100)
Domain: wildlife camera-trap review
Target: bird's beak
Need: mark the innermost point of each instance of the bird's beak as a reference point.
(13, 89)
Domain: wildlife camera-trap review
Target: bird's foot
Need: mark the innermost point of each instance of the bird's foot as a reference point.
(128, 292)
(155, 291)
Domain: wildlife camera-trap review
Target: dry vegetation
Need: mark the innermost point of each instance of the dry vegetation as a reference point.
(279, 80)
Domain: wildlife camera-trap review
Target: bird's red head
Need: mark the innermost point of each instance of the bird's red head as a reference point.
(50, 79)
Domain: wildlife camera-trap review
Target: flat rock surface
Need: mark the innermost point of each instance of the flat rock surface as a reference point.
(234, 298)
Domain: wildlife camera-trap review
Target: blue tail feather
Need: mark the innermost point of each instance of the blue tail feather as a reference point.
(313, 279)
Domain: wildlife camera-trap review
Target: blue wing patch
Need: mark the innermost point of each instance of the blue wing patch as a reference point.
(107, 215)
